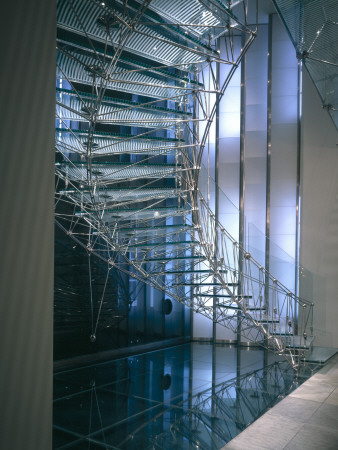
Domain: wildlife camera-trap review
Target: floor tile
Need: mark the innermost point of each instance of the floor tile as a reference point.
(313, 391)
(298, 409)
(326, 416)
(312, 407)
(313, 437)
(333, 398)
(266, 433)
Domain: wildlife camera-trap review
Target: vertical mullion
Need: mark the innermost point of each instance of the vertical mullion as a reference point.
(241, 182)
(214, 328)
(298, 190)
(268, 164)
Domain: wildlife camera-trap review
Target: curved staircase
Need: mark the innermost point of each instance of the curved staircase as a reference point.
(131, 101)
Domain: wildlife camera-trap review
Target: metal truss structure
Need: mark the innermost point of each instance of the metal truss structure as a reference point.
(313, 28)
(133, 113)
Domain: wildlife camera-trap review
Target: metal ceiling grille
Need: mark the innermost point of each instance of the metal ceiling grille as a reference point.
(313, 27)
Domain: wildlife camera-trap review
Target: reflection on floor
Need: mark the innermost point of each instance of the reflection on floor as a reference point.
(190, 396)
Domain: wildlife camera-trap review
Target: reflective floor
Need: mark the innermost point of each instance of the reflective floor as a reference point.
(190, 396)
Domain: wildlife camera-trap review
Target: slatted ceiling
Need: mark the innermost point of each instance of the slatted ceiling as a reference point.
(103, 173)
(165, 53)
(75, 71)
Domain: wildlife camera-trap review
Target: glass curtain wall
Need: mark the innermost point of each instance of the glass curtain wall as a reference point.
(258, 154)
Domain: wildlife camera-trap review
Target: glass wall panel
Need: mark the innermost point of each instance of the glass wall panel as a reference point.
(283, 180)
(255, 140)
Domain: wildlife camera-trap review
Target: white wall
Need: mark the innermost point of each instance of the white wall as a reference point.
(319, 214)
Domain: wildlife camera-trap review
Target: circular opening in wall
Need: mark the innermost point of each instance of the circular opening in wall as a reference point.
(165, 382)
(167, 306)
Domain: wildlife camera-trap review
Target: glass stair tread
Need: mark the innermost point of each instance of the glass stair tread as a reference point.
(107, 134)
(134, 216)
(120, 195)
(146, 33)
(281, 334)
(260, 319)
(159, 227)
(224, 305)
(174, 258)
(103, 173)
(160, 209)
(143, 231)
(78, 68)
(206, 284)
(296, 341)
(117, 164)
(223, 296)
(197, 272)
(162, 51)
(147, 215)
(160, 244)
(108, 144)
(123, 102)
(159, 72)
(158, 6)
(123, 189)
(182, 13)
(80, 110)
(320, 354)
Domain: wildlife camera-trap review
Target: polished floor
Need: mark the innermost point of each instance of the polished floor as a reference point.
(185, 397)
(306, 420)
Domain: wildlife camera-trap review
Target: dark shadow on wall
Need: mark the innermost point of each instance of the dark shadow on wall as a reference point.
(96, 311)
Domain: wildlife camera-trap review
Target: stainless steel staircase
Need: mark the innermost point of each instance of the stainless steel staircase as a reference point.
(130, 101)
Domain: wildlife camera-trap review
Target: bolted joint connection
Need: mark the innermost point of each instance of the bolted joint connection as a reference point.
(301, 56)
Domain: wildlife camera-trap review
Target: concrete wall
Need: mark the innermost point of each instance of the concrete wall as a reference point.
(319, 214)
(27, 92)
